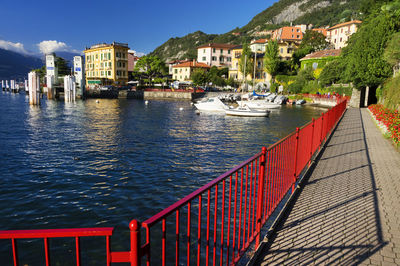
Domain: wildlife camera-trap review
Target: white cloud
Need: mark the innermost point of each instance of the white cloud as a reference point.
(140, 54)
(47, 47)
(15, 47)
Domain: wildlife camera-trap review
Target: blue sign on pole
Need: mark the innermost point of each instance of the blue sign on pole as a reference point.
(77, 69)
(50, 68)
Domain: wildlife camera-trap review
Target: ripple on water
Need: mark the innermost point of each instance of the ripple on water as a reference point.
(88, 164)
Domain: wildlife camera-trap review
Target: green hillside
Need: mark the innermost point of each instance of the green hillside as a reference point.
(317, 12)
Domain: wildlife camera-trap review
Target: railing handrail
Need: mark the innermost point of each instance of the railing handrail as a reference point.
(157, 217)
(273, 173)
(69, 232)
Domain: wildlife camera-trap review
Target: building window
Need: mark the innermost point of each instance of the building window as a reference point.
(341, 39)
(204, 51)
(281, 50)
(109, 73)
(335, 41)
(229, 51)
(298, 36)
(123, 64)
(204, 58)
(176, 71)
(213, 50)
(214, 58)
(222, 51)
(97, 56)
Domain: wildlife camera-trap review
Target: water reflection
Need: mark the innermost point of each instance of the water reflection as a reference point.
(89, 163)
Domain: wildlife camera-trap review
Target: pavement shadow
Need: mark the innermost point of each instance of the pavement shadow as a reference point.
(334, 218)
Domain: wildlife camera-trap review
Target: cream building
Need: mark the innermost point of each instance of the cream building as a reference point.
(215, 54)
(339, 34)
(106, 64)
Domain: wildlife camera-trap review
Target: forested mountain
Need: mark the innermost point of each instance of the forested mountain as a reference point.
(15, 65)
(317, 12)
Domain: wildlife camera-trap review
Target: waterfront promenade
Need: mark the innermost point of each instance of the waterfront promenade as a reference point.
(348, 210)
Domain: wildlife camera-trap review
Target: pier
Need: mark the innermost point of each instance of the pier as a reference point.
(347, 210)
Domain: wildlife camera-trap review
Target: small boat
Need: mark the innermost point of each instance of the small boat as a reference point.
(246, 111)
(259, 104)
(211, 104)
(280, 99)
(300, 102)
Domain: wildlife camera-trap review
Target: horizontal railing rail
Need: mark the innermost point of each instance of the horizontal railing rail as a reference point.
(217, 223)
(45, 234)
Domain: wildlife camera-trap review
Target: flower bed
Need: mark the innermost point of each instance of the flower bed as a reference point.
(388, 120)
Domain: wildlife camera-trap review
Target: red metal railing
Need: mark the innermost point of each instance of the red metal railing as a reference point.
(218, 222)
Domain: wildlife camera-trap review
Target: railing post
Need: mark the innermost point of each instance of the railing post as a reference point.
(322, 131)
(295, 158)
(312, 140)
(260, 194)
(135, 256)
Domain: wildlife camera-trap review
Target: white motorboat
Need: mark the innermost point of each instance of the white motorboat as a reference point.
(280, 100)
(300, 102)
(211, 104)
(246, 111)
(259, 104)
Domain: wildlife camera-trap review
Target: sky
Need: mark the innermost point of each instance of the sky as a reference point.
(43, 26)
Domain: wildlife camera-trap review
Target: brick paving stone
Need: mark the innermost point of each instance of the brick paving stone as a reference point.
(348, 211)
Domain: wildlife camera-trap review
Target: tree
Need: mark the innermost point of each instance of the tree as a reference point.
(331, 73)
(62, 66)
(363, 57)
(271, 59)
(299, 54)
(392, 51)
(199, 77)
(314, 41)
(246, 61)
(215, 76)
(152, 66)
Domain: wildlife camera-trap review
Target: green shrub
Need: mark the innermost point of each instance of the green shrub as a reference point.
(391, 93)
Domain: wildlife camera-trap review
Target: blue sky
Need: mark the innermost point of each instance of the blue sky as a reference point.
(71, 25)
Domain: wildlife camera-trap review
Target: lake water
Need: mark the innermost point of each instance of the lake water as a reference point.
(89, 164)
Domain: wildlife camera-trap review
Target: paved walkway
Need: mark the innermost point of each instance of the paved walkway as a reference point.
(348, 212)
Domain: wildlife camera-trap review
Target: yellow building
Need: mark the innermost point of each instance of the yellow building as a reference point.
(287, 48)
(106, 64)
(183, 71)
(236, 73)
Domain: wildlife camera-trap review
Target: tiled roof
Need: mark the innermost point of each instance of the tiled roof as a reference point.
(192, 64)
(260, 41)
(288, 34)
(217, 45)
(237, 47)
(321, 30)
(345, 24)
(322, 54)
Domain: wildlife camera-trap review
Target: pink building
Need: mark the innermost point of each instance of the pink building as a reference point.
(132, 59)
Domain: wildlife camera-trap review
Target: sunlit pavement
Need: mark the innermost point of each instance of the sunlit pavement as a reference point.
(348, 211)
